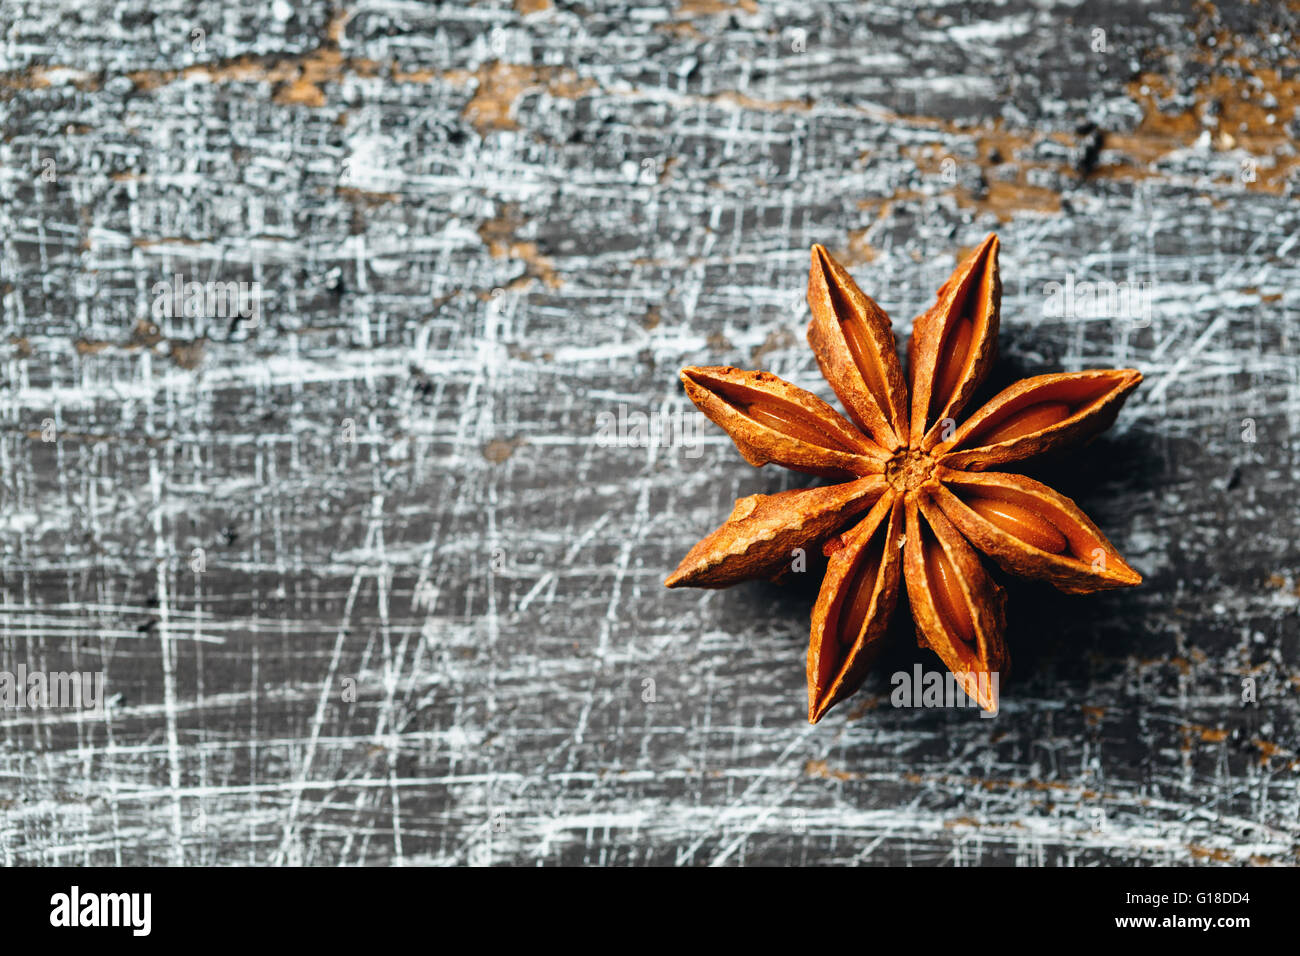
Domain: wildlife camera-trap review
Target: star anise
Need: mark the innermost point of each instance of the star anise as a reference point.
(921, 480)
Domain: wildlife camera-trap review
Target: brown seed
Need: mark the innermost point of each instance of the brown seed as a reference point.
(949, 602)
(853, 612)
(863, 357)
(792, 422)
(1027, 421)
(1021, 523)
(956, 348)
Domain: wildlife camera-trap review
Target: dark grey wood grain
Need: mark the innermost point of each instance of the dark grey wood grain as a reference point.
(428, 624)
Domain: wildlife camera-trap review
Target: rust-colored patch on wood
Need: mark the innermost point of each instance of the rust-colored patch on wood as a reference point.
(145, 334)
(1005, 171)
(860, 251)
(88, 438)
(324, 66)
(499, 235)
(1267, 750)
(1249, 114)
(681, 28)
(295, 80)
(1263, 297)
(1243, 106)
(39, 77)
(186, 354)
(414, 76)
(525, 7)
(498, 87)
(498, 450)
(746, 102)
(1005, 200)
(146, 81)
(145, 243)
(366, 197)
(712, 8)
(820, 768)
(1206, 853)
(973, 823)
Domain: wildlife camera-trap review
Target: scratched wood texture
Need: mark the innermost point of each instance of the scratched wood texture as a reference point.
(476, 228)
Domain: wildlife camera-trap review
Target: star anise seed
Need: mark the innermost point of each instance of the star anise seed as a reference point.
(917, 501)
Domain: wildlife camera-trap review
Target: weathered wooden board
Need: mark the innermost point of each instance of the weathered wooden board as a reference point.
(428, 621)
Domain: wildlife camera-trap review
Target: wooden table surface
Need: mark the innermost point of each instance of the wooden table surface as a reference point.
(370, 577)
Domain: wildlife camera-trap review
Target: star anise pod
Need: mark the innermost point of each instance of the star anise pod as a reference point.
(917, 498)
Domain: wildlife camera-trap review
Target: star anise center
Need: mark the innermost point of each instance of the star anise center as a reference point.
(909, 470)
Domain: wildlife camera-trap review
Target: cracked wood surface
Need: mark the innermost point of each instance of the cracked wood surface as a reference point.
(430, 623)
